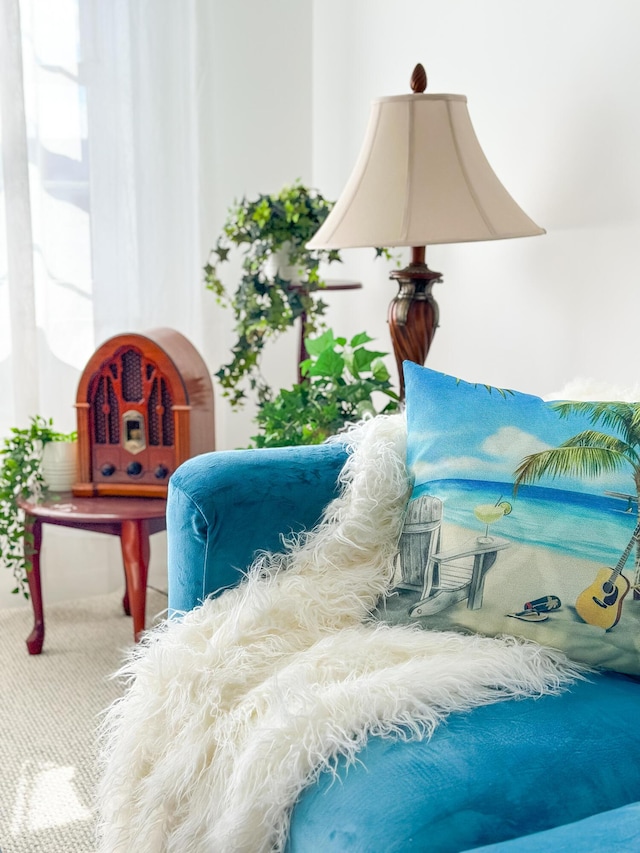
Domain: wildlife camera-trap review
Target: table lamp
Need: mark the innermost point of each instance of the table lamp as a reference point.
(421, 178)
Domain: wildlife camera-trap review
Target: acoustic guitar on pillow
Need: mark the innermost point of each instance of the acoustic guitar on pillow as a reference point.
(601, 603)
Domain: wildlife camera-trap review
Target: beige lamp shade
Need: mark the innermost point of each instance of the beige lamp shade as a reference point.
(421, 178)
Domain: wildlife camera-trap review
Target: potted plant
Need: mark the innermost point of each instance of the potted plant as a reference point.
(342, 382)
(22, 476)
(279, 277)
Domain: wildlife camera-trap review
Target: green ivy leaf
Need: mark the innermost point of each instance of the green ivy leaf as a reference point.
(363, 359)
(379, 370)
(315, 346)
(329, 364)
(359, 340)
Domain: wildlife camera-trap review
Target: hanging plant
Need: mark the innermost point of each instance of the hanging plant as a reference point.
(271, 296)
(21, 477)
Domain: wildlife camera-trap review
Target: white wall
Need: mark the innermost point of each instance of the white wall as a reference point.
(553, 91)
(257, 85)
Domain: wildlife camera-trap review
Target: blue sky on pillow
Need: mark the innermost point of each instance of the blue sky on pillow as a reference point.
(494, 462)
(465, 427)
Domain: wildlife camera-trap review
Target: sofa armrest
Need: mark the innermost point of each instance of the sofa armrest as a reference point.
(611, 831)
(226, 505)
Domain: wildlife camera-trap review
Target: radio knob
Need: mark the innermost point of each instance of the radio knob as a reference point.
(108, 469)
(161, 472)
(134, 468)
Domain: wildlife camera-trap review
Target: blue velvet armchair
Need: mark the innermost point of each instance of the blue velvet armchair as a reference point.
(562, 771)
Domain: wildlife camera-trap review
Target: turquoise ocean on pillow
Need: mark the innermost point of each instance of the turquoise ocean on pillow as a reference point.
(523, 518)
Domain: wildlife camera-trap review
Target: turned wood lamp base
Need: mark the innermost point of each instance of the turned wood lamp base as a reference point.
(413, 312)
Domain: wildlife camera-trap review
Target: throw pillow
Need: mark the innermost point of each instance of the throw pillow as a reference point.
(523, 518)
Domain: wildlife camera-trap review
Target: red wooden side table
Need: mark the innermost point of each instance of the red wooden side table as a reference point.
(132, 519)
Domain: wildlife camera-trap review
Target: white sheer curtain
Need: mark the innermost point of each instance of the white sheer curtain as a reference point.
(45, 258)
(100, 199)
(100, 140)
(141, 68)
(128, 128)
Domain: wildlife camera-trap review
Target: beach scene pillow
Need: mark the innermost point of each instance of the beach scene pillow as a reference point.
(523, 519)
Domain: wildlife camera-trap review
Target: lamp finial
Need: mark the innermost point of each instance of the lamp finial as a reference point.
(418, 79)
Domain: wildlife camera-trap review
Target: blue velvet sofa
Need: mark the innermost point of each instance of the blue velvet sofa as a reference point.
(555, 773)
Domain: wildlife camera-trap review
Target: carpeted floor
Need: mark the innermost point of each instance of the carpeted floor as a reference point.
(49, 708)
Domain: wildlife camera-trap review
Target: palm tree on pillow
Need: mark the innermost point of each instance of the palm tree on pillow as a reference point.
(591, 452)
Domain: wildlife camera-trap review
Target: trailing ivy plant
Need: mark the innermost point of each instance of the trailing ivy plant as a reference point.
(21, 477)
(341, 380)
(264, 303)
(268, 301)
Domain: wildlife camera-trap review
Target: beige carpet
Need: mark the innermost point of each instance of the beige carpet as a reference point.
(49, 708)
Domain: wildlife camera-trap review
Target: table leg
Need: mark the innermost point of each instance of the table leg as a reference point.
(134, 540)
(33, 541)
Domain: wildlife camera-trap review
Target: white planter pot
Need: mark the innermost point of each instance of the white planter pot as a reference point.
(59, 463)
(278, 264)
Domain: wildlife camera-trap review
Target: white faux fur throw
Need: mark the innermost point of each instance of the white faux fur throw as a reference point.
(232, 710)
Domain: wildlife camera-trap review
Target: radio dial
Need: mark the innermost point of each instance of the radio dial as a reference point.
(108, 469)
(134, 468)
(161, 472)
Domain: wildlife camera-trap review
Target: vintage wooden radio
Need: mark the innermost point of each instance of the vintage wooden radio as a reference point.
(144, 406)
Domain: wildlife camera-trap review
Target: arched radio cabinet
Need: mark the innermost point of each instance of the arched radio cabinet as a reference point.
(144, 406)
